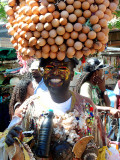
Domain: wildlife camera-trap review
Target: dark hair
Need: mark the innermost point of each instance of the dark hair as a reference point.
(91, 66)
(74, 61)
(19, 94)
(83, 78)
(94, 64)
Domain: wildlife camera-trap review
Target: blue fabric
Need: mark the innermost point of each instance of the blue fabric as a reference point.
(118, 135)
(106, 72)
(14, 69)
(111, 96)
(41, 86)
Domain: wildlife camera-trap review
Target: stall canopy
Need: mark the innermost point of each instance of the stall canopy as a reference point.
(7, 54)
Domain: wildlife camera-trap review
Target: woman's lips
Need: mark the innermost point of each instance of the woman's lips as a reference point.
(55, 80)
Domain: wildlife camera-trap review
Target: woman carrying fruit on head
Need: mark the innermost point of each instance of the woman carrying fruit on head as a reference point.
(54, 31)
(77, 130)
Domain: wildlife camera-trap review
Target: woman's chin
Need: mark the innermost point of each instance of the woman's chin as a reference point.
(56, 85)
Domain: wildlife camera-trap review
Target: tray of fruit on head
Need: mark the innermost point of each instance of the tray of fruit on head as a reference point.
(55, 29)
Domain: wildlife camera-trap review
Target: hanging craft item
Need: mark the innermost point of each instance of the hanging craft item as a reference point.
(109, 75)
(55, 29)
(80, 146)
(82, 65)
(108, 60)
(117, 62)
(114, 62)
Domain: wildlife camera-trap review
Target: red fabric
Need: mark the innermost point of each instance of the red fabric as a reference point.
(118, 97)
(119, 84)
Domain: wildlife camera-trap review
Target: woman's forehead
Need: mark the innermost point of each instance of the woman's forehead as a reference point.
(99, 71)
(58, 63)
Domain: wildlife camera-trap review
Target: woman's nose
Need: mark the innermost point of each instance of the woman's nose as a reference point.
(56, 72)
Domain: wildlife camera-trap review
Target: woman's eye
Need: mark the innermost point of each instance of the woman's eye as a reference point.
(63, 68)
(49, 67)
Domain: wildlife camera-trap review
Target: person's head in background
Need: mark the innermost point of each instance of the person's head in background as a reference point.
(23, 90)
(94, 71)
(58, 74)
(36, 71)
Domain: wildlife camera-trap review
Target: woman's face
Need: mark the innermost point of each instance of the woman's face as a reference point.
(57, 75)
(97, 76)
(100, 73)
(30, 89)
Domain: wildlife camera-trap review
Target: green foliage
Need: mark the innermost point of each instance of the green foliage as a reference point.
(2, 11)
(115, 25)
(117, 13)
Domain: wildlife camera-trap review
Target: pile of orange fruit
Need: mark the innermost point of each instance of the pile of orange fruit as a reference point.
(55, 29)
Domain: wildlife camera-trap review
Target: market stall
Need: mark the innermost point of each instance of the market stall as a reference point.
(9, 76)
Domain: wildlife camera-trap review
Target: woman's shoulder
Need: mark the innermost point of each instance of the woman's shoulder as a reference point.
(86, 84)
(83, 103)
(84, 99)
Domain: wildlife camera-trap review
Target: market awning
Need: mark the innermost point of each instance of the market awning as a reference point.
(7, 54)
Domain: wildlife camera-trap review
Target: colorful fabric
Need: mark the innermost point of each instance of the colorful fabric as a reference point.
(12, 71)
(117, 92)
(111, 96)
(85, 120)
(81, 120)
(92, 92)
(115, 154)
(102, 153)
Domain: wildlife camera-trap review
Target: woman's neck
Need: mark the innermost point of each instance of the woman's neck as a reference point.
(61, 97)
(27, 96)
(38, 79)
(91, 81)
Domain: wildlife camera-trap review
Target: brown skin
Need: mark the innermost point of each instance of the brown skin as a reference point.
(59, 72)
(37, 75)
(56, 92)
(96, 79)
(30, 90)
(117, 96)
(57, 78)
(58, 85)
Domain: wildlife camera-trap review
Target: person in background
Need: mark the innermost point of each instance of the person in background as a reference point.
(92, 82)
(117, 106)
(23, 90)
(92, 85)
(37, 80)
(117, 92)
(75, 117)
